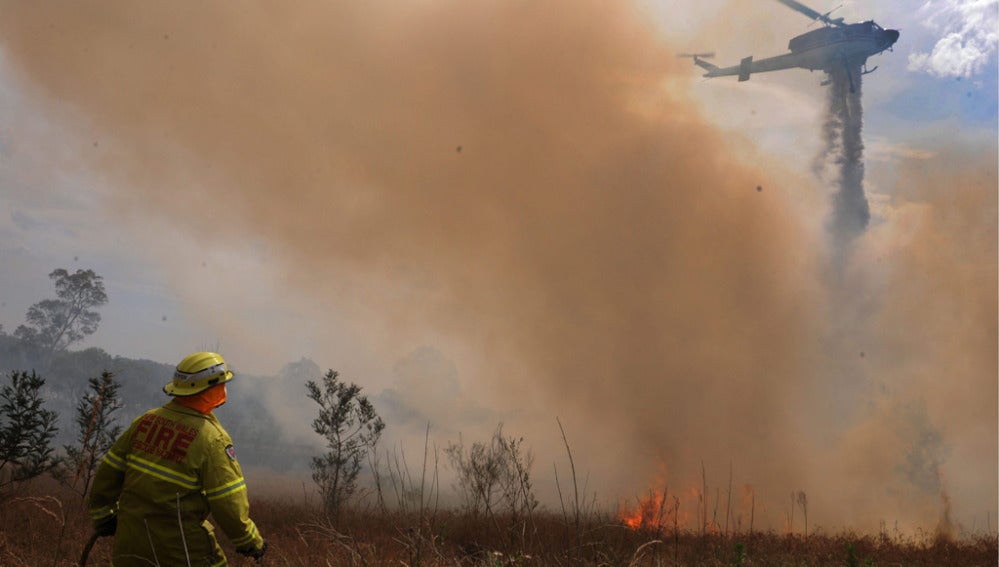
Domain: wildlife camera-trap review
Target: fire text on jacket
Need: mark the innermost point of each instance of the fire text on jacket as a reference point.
(163, 438)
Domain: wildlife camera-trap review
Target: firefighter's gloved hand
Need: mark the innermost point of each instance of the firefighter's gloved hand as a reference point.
(254, 553)
(108, 527)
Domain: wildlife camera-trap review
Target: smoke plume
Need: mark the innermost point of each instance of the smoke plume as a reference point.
(527, 188)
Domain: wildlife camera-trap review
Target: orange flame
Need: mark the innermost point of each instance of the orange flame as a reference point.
(697, 508)
(650, 513)
(690, 510)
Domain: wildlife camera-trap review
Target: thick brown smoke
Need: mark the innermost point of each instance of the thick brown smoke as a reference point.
(937, 331)
(530, 177)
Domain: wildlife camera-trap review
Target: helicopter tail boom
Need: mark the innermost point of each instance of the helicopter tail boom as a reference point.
(705, 65)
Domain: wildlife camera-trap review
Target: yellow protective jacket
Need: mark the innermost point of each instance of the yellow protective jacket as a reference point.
(162, 478)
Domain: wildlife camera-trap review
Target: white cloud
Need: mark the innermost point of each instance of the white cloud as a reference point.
(968, 35)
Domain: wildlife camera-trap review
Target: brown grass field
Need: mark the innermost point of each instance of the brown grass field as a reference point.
(46, 525)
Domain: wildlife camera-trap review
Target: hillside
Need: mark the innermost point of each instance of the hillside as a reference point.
(246, 415)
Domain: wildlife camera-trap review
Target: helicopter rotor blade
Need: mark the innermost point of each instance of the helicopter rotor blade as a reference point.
(824, 18)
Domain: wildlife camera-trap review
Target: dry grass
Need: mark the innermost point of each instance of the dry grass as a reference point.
(45, 525)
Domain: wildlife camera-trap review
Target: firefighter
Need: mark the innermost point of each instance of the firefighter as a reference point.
(174, 466)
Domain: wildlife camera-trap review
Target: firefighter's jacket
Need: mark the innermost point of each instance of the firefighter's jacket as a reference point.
(172, 468)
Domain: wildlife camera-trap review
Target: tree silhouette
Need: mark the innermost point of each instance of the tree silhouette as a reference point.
(26, 430)
(96, 429)
(351, 427)
(54, 324)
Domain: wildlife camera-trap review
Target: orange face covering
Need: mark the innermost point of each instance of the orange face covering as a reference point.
(206, 401)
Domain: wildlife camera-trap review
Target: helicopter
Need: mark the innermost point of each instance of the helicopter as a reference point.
(836, 43)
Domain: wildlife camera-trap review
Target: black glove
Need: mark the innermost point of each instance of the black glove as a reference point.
(254, 553)
(108, 527)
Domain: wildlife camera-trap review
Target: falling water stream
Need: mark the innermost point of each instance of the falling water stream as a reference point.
(842, 156)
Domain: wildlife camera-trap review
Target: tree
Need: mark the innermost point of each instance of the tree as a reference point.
(351, 428)
(26, 430)
(97, 430)
(54, 324)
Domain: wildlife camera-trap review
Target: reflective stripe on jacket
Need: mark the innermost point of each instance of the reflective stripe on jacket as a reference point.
(163, 477)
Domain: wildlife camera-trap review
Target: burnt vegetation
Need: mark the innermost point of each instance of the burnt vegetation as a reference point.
(301, 534)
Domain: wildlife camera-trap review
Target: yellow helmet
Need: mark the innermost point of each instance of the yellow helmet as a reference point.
(198, 372)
